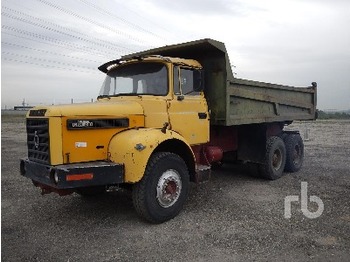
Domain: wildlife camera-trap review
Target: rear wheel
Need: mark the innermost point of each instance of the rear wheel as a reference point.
(162, 192)
(295, 152)
(275, 158)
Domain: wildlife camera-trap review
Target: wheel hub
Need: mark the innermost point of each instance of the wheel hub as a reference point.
(277, 159)
(169, 188)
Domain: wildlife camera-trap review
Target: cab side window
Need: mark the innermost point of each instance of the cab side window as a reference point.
(184, 81)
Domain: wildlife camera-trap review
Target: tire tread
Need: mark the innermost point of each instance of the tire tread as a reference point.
(265, 168)
(140, 189)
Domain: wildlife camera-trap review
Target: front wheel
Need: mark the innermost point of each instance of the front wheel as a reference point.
(162, 192)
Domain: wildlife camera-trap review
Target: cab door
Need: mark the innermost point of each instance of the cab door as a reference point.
(188, 109)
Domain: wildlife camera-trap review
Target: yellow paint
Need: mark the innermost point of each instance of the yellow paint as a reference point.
(154, 108)
(55, 132)
(135, 161)
(91, 144)
(184, 118)
(104, 108)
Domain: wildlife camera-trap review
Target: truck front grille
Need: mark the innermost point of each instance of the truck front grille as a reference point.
(38, 140)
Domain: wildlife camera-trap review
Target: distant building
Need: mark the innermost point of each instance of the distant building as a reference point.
(23, 107)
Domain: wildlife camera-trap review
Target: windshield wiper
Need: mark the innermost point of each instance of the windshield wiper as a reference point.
(116, 95)
(124, 94)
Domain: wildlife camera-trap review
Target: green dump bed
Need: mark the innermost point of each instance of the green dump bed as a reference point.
(235, 101)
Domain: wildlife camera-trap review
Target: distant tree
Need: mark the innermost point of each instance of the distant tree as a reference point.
(336, 115)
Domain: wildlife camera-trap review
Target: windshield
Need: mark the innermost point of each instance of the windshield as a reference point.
(136, 79)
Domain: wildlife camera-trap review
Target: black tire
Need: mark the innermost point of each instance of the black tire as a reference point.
(295, 152)
(275, 158)
(163, 190)
(91, 191)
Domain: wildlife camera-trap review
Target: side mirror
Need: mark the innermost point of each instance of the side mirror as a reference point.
(198, 80)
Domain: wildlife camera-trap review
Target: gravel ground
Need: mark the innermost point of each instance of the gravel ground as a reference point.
(235, 217)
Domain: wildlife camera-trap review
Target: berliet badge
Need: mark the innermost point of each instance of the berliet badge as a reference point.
(36, 140)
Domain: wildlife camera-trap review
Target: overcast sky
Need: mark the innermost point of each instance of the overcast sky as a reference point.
(50, 49)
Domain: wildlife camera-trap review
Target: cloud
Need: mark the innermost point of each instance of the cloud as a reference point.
(289, 42)
(199, 7)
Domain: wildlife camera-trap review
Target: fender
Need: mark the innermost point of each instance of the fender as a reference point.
(134, 147)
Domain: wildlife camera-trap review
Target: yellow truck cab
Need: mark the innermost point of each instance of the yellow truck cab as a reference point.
(161, 121)
(146, 104)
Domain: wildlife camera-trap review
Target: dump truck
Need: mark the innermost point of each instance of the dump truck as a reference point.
(163, 118)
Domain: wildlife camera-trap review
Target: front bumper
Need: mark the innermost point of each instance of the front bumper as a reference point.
(72, 176)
